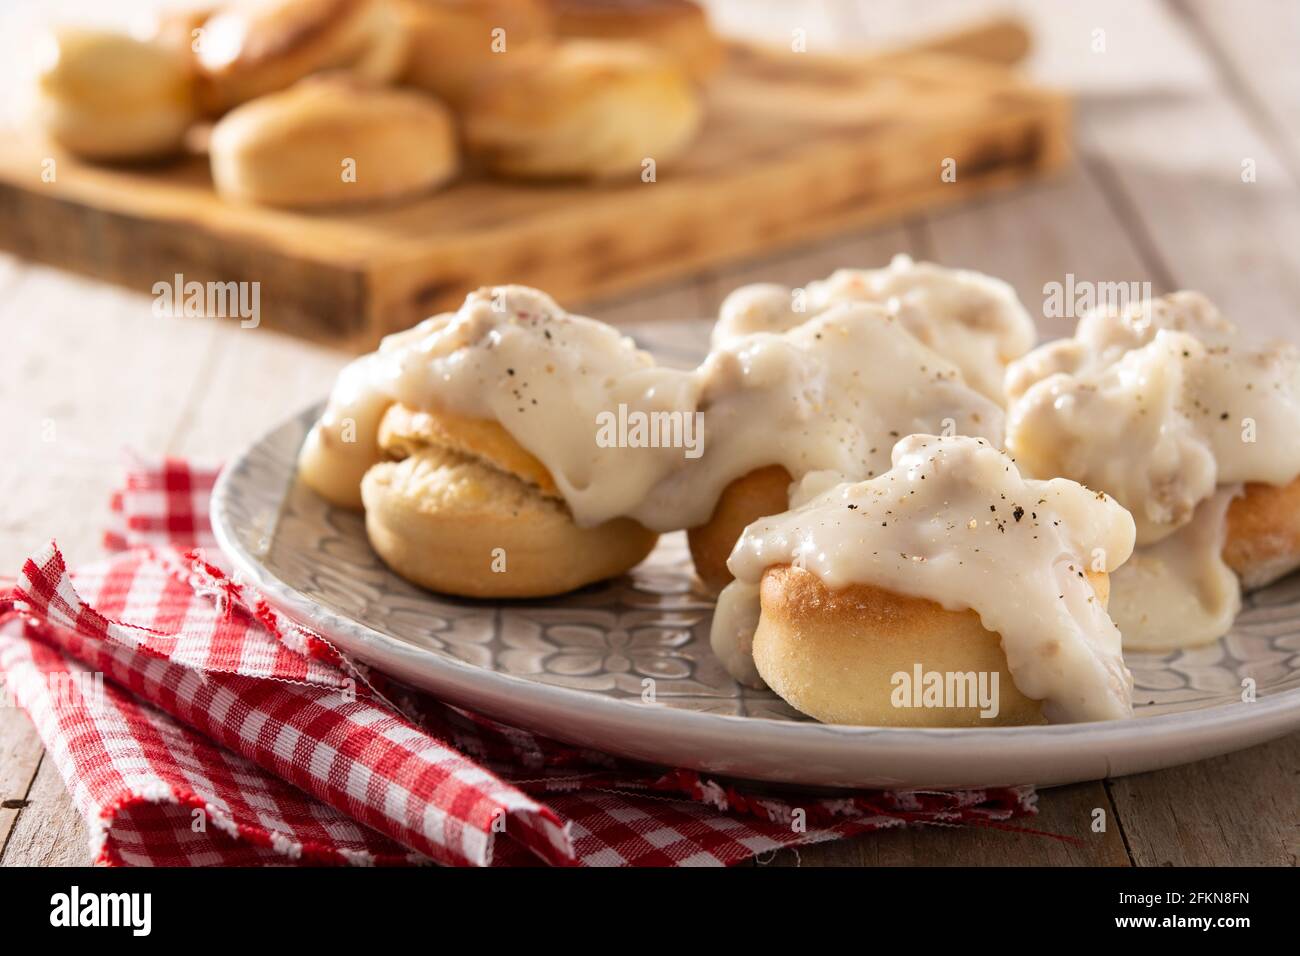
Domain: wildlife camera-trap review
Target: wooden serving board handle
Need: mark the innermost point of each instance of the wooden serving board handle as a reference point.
(998, 40)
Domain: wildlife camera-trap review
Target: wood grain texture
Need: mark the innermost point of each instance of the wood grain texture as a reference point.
(796, 268)
(1038, 236)
(20, 755)
(1063, 811)
(1239, 809)
(93, 373)
(50, 831)
(829, 143)
(683, 300)
(1253, 43)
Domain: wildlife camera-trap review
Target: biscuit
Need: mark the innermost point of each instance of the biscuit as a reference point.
(249, 48)
(678, 27)
(109, 96)
(762, 492)
(330, 140)
(456, 45)
(582, 109)
(1263, 537)
(833, 654)
(455, 518)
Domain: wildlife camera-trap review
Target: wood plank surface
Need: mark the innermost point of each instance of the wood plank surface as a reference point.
(1236, 809)
(20, 756)
(49, 831)
(1166, 116)
(1253, 44)
(1063, 812)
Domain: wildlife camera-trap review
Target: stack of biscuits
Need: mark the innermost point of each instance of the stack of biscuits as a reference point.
(303, 103)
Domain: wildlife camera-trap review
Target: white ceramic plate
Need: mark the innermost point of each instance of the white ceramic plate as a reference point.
(577, 667)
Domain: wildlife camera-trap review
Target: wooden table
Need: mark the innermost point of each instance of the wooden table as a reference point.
(1178, 100)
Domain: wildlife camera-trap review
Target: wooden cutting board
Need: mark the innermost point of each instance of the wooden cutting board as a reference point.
(795, 146)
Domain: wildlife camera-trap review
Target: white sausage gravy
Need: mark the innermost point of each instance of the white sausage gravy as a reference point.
(1165, 407)
(834, 393)
(974, 320)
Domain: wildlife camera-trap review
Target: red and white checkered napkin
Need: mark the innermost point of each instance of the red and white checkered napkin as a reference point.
(194, 726)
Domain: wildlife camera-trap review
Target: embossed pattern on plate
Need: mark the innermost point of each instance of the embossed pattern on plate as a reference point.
(607, 642)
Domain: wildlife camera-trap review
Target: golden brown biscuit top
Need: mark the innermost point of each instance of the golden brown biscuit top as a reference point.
(252, 31)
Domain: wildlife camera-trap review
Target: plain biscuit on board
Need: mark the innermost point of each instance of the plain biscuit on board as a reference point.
(456, 45)
(109, 96)
(582, 109)
(248, 48)
(300, 147)
(678, 27)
